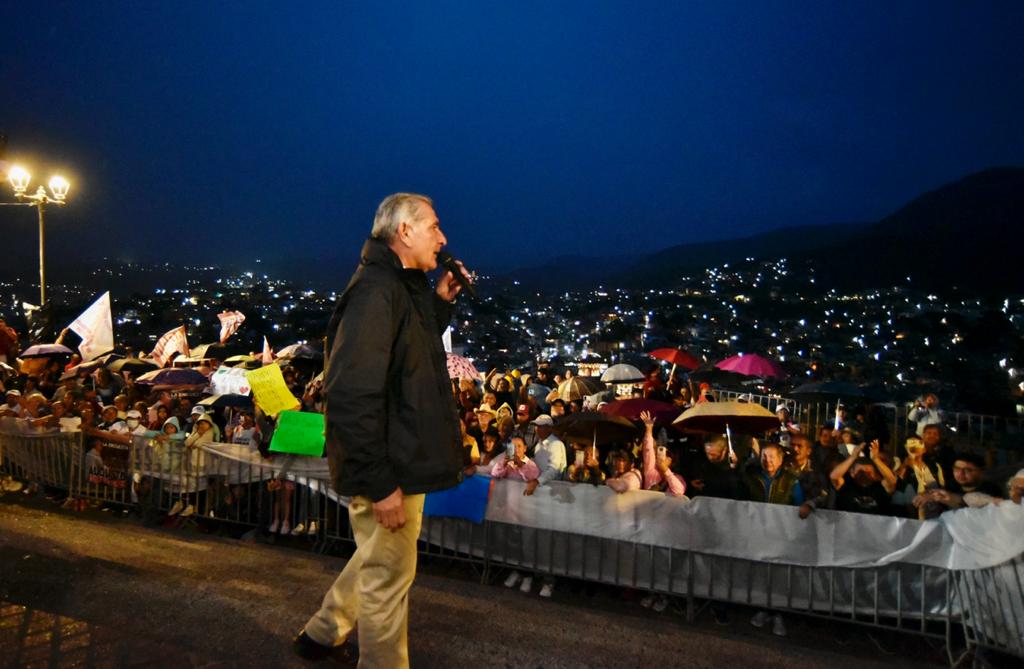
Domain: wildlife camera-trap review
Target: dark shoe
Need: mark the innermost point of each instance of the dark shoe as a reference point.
(308, 649)
(345, 655)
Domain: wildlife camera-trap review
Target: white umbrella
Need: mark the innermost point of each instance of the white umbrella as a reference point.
(622, 373)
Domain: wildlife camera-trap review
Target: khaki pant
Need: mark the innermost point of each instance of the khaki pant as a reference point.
(373, 588)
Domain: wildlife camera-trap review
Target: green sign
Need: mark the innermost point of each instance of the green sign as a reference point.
(299, 433)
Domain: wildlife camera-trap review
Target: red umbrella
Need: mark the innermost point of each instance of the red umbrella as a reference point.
(663, 412)
(676, 357)
(753, 365)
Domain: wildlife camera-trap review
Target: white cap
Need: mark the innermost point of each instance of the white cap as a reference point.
(543, 419)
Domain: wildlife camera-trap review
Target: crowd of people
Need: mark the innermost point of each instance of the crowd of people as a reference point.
(511, 431)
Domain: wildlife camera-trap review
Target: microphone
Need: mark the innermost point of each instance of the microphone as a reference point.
(452, 266)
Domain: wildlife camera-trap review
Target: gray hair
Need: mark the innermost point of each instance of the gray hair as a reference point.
(393, 210)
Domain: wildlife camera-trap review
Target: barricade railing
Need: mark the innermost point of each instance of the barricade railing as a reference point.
(925, 599)
(1002, 435)
(37, 456)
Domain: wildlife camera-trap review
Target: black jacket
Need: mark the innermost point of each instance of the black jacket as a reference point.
(390, 415)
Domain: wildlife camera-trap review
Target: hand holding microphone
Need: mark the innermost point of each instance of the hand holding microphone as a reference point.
(458, 271)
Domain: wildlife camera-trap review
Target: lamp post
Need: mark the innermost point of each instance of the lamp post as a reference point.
(59, 187)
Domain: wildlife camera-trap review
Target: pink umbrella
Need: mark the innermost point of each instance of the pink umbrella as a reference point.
(753, 365)
(461, 368)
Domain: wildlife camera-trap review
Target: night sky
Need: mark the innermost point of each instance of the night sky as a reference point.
(197, 131)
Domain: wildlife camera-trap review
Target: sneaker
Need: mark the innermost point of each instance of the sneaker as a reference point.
(526, 585)
(513, 579)
(345, 655)
(12, 486)
(760, 619)
(273, 527)
(286, 528)
(546, 590)
(176, 509)
(778, 627)
(647, 601)
(299, 529)
(212, 514)
(188, 511)
(660, 603)
(312, 527)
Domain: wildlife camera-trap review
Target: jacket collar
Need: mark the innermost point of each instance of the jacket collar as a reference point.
(376, 252)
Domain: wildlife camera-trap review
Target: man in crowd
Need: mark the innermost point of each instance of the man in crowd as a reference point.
(968, 477)
(864, 483)
(773, 484)
(717, 475)
(392, 431)
(926, 412)
(525, 429)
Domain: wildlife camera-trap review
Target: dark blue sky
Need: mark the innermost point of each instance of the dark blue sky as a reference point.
(194, 131)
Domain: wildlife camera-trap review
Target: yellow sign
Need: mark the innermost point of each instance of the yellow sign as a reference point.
(270, 390)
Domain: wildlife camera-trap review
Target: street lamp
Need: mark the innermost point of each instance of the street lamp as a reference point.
(59, 187)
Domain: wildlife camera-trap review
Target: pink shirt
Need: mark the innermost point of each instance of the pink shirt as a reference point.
(674, 483)
(528, 471)
(629, 480)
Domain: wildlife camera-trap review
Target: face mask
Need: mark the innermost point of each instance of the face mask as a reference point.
(133, 423)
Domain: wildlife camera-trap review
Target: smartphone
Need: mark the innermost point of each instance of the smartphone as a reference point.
(579, 458)
(510, 450)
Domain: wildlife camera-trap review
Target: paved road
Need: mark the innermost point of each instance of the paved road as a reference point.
(88, 589)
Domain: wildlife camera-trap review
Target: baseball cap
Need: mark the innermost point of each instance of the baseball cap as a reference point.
(543, 419)
(523, 408)
(134, 413)
(198, 409)
(13, 391)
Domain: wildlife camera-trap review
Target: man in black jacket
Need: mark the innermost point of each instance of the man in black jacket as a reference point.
(391, 428)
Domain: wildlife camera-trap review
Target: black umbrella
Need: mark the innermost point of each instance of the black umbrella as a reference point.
(829, 389)
(596, 428)
(136, 366)
(231, 400)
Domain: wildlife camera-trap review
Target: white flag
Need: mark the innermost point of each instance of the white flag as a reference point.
(172, 342)
(446, 339)
(96, 328)
(268, 353)
(229, 322)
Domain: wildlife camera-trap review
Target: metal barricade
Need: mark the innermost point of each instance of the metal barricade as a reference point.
(38, 456)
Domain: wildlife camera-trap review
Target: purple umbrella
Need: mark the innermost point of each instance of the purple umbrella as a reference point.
(45, 350)
(753, 365)
(173, 376)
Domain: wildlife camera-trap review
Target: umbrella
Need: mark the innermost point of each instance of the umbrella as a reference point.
(236, 360)
(87, 367)
(753, 365)
(631, 409)
(721, 417)
(622, 373)
(596, 428)
(173, 376)
(236, 401)
(134, 365)
(299, 351)
(462, 368)
(45, 350)
(579, 387)
(539, 393)
(830, 388)
(214, 350)
(676, 357)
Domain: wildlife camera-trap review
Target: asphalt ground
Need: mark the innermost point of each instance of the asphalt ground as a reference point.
(96, 589)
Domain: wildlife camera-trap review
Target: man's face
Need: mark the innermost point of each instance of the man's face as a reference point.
(967, 474)
(544, 431)
(557, 410)
(930, 437)
(490, 399)
(715, 450)
(801, 451)
(864, 474)
(485, 420)
(422, 238)
(523, 417)
(771, 459)
(931, 401)
(109, 415)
